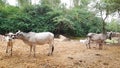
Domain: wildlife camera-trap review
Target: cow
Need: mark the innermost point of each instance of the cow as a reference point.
(33, 39)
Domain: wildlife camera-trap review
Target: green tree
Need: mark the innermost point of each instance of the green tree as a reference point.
(113, 26)
(81, 3)
(2, 2)
(51, 3)
(104, 11)
(23, 3)
(114, 5)
(76, 21)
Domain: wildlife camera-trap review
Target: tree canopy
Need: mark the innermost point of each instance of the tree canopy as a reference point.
(51, 15)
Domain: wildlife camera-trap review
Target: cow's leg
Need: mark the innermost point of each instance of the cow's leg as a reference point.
(100, 46)
(86, 45)
(51, 49)
(7, 49)
(11, 45)
(34, 49)
(89, 45)
(11, 49)
(30, 50)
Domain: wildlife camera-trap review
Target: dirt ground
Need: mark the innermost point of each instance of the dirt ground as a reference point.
(67, 54)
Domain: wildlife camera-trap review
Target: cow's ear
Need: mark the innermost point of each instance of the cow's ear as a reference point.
(19, 31)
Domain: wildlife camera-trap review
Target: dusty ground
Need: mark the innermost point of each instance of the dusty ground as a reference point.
(69, 54)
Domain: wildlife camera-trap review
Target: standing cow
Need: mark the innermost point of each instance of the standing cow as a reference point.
(98, 38)
(33, 39)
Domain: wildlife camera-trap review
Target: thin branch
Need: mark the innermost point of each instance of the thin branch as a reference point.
(119, 12)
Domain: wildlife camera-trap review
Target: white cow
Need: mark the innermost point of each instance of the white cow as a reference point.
(98, 38)
(33, 39)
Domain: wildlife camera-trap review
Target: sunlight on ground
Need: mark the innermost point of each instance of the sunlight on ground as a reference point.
(67, 54)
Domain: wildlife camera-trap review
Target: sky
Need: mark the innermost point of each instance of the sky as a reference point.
(13, 2)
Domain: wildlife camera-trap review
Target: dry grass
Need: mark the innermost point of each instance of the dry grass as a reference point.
(67, 54)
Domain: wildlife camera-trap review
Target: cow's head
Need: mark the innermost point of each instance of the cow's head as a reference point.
(19, 34)
(109, 35)
(10, 35)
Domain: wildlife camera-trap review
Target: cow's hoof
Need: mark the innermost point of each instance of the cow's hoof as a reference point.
(49, 54)
(89, 47)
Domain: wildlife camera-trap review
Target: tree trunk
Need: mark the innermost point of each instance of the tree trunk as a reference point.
(103, 27)
(119, 12)
(104, 24)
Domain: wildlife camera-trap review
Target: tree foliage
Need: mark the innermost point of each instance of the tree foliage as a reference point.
(51, 16)
(113, 5)
(113, 26)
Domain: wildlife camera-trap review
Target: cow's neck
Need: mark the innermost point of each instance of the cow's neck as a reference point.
(25, 37)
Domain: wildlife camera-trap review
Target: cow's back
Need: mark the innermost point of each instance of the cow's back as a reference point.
(41, 38)
(99, 36)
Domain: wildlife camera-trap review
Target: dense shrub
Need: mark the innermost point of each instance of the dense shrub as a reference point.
(39, 18)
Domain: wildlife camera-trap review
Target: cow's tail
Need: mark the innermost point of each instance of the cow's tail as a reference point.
(53, 45)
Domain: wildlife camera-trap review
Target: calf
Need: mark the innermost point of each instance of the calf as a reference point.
(9, 39)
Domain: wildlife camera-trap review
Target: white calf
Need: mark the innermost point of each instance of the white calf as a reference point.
(9, 39)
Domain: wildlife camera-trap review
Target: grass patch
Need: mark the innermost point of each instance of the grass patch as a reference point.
(111, 41)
